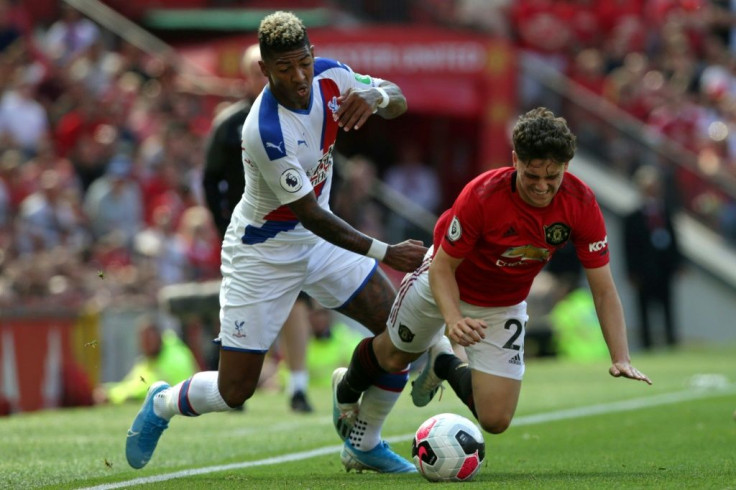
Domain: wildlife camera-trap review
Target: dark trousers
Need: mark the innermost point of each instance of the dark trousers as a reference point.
(650, 296)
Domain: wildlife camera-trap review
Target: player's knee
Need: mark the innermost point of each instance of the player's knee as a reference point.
(236, 395)
(394, 365)
(389, 357)
(494, 424)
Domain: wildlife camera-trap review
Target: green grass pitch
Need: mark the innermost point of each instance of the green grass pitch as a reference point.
(576, 427)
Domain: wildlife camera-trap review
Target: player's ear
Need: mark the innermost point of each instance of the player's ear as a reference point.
(515, 160)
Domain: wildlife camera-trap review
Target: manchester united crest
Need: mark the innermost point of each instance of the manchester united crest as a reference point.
(556, 233)
(405, 334)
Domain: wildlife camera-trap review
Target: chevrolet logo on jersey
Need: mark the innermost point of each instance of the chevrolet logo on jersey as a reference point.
(516, 256)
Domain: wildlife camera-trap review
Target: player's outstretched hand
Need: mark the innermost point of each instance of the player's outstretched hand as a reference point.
(467, 331)
(626, 370)
(405, 256)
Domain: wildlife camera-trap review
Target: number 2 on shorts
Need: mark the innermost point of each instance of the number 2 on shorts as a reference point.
(519, 329)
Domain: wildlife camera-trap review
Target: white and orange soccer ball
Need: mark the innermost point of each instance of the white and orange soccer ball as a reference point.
(448, 447)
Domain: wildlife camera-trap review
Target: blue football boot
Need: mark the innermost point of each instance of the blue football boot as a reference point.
(380, 459)
(147, 428)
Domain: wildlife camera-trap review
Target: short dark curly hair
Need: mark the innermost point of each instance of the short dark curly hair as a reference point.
(539, 134)
(281, 31)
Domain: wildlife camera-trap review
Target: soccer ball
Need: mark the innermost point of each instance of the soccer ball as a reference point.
(448, 447)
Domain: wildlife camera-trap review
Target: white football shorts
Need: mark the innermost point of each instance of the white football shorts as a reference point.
(260, 284)
(415, 324)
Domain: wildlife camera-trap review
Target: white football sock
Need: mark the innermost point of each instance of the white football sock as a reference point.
(298, 381)
(194, 396)
(375, 405)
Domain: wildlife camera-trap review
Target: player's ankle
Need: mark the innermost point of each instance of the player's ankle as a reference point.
(162, 405)
(444, 364)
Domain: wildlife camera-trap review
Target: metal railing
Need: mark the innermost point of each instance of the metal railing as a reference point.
(613, 143)
(152, 45)
(196, 79)
(623, 143)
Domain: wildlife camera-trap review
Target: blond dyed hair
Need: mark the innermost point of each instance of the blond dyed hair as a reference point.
(281, 31)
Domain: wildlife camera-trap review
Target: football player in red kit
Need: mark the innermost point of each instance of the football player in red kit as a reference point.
(505, 225)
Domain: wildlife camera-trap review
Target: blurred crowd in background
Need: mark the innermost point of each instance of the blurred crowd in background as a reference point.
(101, 144)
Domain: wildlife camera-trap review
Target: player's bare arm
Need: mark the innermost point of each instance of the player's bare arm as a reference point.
(405, 256)
(611, 318)
(356, 106)
(461, 330)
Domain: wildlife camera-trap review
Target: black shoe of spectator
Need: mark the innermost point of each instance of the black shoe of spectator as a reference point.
(299, 402)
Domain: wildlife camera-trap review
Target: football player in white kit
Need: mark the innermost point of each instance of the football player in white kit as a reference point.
(283, 238)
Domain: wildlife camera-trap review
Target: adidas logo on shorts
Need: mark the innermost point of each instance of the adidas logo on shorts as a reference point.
(515, 360)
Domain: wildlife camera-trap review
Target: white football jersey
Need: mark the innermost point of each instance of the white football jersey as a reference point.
(288, 153)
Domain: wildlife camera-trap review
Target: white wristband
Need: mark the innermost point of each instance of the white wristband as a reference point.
(384, 98)
(378, 250)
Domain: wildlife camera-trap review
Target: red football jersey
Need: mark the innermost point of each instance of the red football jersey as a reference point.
(504, 242)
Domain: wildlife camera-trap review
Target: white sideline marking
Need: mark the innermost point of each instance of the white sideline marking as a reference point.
(603, 408)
